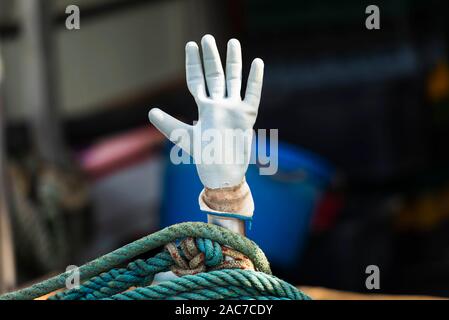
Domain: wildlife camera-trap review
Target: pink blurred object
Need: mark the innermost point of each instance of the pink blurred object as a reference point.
(119, 151)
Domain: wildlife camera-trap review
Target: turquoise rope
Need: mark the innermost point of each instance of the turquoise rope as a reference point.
(221, 284)
(138, 273)
(211, 250)
(103, 279)
(145, 244)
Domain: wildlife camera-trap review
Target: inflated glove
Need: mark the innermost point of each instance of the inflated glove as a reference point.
(223, 114)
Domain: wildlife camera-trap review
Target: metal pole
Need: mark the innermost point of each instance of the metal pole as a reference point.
(7, 262)
(40, 84)
(233, 224)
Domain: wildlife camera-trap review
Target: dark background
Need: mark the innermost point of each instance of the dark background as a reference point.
(374, 103)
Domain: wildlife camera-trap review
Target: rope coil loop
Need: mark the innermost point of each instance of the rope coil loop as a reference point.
(204, 255)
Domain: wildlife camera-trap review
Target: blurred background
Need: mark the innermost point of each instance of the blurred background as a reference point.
(362, 116)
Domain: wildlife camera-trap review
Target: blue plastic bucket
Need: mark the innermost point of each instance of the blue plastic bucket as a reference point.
(284, 202)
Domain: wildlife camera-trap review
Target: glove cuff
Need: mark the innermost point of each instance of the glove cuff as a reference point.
(230, 201)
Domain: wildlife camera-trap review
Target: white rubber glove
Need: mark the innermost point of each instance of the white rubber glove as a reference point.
(223, 109)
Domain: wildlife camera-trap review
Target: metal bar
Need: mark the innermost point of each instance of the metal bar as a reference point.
(7, 262)
(40, 84)
(233, 224)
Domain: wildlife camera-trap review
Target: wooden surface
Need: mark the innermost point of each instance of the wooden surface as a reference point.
(330, 294)
(317, 293)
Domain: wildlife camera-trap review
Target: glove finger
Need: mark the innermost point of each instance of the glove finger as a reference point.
(194, 71)
(234, 68)
(176, 131)
(212, 67)
(254, 86)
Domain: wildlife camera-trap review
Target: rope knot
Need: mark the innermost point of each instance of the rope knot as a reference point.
(196, 255)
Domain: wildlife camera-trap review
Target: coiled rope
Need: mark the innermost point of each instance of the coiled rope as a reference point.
(212, 262)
